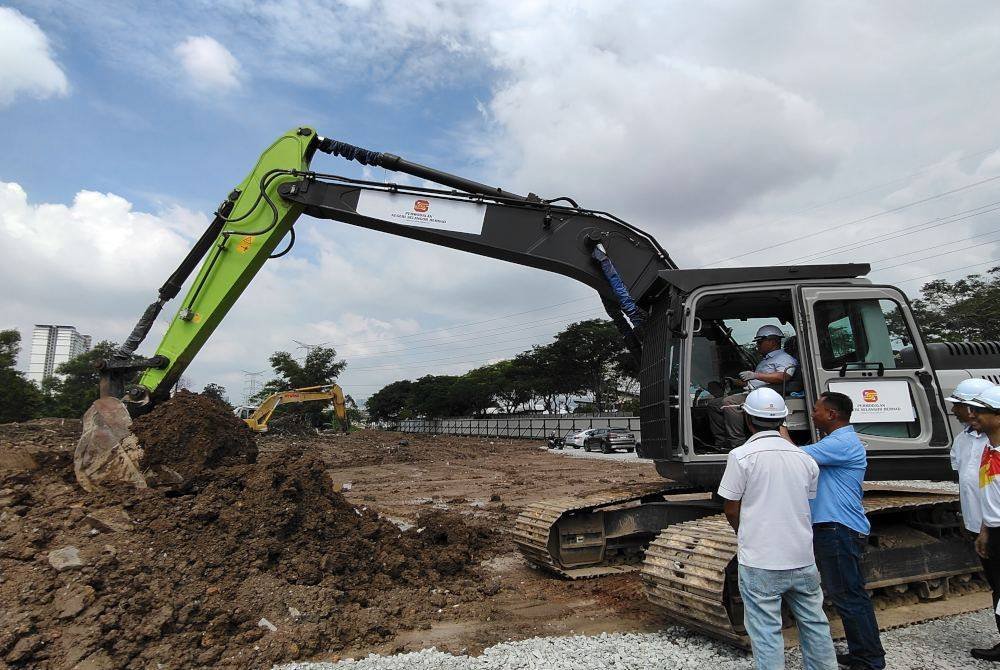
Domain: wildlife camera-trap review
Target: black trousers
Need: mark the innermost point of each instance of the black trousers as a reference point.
(991, 567)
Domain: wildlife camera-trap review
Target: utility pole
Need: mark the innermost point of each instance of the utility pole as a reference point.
(309, 347)
(251, 384)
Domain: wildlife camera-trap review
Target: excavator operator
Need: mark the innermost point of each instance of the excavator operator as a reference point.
(775, 368)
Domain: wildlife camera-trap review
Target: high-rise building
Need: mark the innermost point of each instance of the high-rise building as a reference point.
(52, 345)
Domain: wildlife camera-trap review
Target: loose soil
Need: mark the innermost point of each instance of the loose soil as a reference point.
(329, 546)
(193, 432)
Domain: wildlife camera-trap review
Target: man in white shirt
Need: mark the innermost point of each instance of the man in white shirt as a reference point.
(776, 367)
(767, 486)
(967, 451)
(986, 409)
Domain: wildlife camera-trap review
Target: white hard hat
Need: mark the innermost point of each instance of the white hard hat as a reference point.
(990, 398)
(765, 403)
(768, 331)
(969, 389)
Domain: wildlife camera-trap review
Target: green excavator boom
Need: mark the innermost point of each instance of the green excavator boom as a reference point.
(257, 222)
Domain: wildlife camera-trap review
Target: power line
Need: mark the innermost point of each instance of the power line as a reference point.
(862, 219)
(930, 224)
(926, 168)
(476, 323)
(448, 341)
(944, 272)
(927, 258)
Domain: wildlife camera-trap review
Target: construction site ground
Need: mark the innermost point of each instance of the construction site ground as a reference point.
(491, 480)
(329, 547)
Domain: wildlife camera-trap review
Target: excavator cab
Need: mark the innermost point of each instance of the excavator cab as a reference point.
(848, 336)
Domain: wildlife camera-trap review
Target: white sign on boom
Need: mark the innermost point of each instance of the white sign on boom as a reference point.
(878, 401)
(419, 210)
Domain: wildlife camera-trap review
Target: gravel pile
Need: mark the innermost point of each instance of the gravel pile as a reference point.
(946, 487)
(942, 644)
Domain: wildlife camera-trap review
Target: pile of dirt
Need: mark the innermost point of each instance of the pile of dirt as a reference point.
(191, 432)
(39, 443)
(290, 423)
(240, 566)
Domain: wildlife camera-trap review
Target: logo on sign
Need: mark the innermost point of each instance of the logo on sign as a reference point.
(421, 206)
(870, 395)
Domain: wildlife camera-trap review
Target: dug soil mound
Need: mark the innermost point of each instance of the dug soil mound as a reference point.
(35, 444)
(243, 566)
(191, 432)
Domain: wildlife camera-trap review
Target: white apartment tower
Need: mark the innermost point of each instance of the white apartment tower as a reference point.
(52, 345)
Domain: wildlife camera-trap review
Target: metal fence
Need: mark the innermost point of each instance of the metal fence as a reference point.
(525, 427)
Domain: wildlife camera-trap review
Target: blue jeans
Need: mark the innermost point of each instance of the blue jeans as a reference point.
(838, 552)
(763, 592)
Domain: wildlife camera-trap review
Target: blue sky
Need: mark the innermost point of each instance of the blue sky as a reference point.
(720, 127)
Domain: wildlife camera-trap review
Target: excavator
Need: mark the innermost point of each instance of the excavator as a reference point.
(687, 328)
(256, 418)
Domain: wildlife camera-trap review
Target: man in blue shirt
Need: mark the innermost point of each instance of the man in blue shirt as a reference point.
(840, 528)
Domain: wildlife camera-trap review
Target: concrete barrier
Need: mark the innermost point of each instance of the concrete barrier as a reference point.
(521, 427)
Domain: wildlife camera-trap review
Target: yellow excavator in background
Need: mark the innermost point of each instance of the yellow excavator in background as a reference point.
(257, 417)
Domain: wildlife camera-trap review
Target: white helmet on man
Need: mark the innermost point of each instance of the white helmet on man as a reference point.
(765, 403)
(768, 331)
(990, 398)
(968, 389)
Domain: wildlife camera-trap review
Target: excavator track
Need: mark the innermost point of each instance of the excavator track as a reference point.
(579, 538)
(918, 561)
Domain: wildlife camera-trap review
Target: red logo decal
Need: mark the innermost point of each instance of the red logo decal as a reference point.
(870, 395)
(421, 206)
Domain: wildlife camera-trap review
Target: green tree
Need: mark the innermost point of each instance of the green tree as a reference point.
(588, 355)
(514, 381)
(965, 309)
(391, 402)
(319, 367)
(78, 384)
(431, 397)
(474, 391)
(216, 392)
(20, 400)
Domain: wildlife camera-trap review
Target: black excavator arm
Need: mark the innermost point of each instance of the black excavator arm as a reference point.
(561, 238)
(619, 261)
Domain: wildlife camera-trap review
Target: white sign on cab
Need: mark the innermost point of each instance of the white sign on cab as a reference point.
(878, 401)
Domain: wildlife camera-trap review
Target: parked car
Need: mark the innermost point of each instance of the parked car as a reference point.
(575, 438)
(609, 439)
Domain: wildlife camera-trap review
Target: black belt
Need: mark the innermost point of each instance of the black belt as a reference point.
(828, 524)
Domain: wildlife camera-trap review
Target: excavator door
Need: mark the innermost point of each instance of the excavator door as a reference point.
(863, 342)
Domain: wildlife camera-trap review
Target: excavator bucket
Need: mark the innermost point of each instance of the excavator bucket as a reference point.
(107, 450)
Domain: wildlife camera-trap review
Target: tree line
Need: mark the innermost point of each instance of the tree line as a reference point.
(585, 358)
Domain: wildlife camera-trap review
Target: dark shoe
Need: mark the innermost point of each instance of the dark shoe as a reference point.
(991, 654)
(846, 660)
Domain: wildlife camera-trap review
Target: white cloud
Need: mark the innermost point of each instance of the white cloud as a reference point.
(96, 263)
(208, 64)
(27, 65)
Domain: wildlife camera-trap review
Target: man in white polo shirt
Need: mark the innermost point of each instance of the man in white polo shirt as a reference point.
(986, 408)
(767, 486)
(967, 450)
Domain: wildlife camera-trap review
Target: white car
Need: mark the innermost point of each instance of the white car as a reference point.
(576, 440)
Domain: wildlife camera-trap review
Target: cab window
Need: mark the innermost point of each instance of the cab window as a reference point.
(855, 333)
(722, 345)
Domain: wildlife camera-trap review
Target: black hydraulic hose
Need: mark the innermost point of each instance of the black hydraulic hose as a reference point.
(291, 243)
(172, 286)
(397, 164)
(139, 332)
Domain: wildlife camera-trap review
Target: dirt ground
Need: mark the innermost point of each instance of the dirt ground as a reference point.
(343, 545)
(491, 480)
